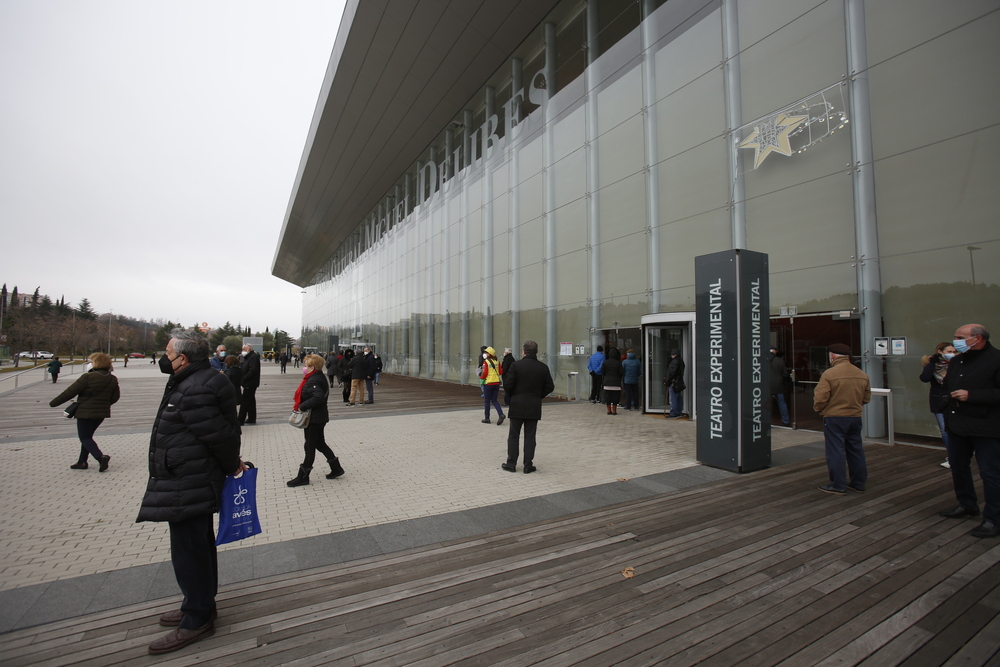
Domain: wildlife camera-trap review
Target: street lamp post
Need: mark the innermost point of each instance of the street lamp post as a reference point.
(109, 332)
(972, 264)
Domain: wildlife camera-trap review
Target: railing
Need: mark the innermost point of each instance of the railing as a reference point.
(21, 377)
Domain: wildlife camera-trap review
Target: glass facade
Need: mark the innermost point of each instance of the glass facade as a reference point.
(624, 138)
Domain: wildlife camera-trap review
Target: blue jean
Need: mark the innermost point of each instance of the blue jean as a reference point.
(845, 452)
(491, 392)
(676, 402)
(987, 451)
(941, 427)
(782, 408)
(369, 385)
(85, 429)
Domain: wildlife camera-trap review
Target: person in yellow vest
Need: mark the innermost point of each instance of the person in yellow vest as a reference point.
(490, 375)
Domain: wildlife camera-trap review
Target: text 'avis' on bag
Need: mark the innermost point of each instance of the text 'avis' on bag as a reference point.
(238, 515)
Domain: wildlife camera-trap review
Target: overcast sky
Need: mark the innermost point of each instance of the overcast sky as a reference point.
(148, 151)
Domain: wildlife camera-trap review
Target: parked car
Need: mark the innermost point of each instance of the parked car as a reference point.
(137, 355)
(40, 354)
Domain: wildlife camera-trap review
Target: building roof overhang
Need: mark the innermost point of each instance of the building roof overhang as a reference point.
(399, 73)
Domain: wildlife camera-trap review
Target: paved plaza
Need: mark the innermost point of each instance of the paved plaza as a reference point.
(417, 473)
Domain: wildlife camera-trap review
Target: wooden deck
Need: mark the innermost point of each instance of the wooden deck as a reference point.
(757, 570)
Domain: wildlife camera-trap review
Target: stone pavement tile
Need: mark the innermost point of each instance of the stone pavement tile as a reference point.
(72, 597)
(122, 587)
(16, 603)
(237, 566)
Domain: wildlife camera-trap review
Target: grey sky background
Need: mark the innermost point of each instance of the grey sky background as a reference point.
(148, 151)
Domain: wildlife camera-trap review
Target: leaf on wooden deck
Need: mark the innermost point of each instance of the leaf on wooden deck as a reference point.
(628, 572)
(623, 479)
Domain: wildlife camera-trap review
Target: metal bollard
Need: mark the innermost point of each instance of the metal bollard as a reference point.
(573, 386)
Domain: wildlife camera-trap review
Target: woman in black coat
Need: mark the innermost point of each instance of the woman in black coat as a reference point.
(344, 366)
(312, 395)
(934, 373)
(611, 373)
(97, 390)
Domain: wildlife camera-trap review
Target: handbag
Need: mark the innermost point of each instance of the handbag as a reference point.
(299, 419)
(238, 516)
(70, 410)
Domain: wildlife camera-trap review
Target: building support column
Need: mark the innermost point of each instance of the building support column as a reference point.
(463, 245)
(734, 119)
(593, 174)
(517, 84)
(865, 220)
(652, 155)
(548, 159)
(491, 103)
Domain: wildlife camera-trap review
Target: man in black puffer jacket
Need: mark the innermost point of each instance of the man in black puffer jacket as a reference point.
(972, 419)
(195, 443)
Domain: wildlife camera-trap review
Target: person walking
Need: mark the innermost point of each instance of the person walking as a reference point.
(527, 382)
(779, 376)
(283, 360)
(97, 390)
(54, 367)
(841, 394)
(250, 365)
(594, 365)
(195, 443)
(972, 419)
(313, 394)
(934, 372)
(675, 384)
(505, 364)
(358, 369)
(611, 374)
(370, 377)
(235, 375)
(344, 366)
(378, 367)
(631, 369)
(489, 373)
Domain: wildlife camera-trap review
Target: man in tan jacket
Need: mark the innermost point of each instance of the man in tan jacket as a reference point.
(842, 392)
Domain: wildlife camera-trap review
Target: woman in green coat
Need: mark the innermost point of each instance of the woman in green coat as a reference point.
(96, 390)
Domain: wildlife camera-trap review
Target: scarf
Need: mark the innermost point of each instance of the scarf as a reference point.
(298, 392)
(940, 369)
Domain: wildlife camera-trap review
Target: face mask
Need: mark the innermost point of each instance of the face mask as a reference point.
(222, 354)
(243, 353)
(306, 370)
(166, 366)
(949, 355)
(960, 345)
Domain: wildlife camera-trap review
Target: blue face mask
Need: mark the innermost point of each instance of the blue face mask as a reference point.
(961, 345)
(222, 354)
(949, 355)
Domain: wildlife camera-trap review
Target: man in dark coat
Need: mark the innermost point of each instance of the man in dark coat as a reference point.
(358, 368)
(779, 376)
(675, 384)
(251, 380)
(195, 443)
(527, 382)
(370, 377)
(972, 420)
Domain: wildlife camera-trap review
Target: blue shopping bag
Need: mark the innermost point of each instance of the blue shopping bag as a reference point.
(238, 517)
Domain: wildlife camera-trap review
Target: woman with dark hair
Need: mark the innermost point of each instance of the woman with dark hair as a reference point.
(97, 390)
(611, 372)
(313, 394)
(235, 374)
(935, 370)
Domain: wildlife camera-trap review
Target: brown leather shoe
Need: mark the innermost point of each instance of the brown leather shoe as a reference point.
(173, 618)
(178, 638)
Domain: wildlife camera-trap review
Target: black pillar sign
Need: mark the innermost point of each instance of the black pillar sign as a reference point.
(733, 375)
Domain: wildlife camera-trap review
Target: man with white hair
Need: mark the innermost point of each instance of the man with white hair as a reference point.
(840, 396)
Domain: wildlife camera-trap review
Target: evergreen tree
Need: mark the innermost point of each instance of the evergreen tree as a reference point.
(3, 299)
(34, 297)
(14, 298)
(85, 310)
(61, 307)
(45, 304)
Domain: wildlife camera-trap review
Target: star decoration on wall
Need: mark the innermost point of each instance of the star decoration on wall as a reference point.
(771, 136)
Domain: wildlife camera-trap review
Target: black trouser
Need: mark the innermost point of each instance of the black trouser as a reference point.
(196, 567)
(595, 386)
(85, 429)
(248, 405)
(514, 435)
(316, 442)
(347, 390)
